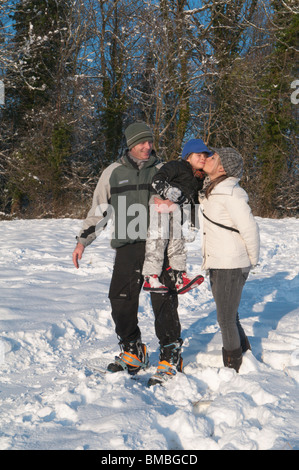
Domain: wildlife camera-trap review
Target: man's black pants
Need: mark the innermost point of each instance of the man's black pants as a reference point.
(125, 287)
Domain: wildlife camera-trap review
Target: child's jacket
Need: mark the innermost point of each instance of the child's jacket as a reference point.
(179, 173)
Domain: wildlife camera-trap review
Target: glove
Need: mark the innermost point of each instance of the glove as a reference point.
(175, 195)
(171, 193)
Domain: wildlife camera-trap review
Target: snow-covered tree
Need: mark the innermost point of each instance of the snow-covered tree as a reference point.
(78, 72)
(278, 136)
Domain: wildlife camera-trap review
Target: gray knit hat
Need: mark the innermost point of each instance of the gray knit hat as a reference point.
(138, 132)
(231, 161)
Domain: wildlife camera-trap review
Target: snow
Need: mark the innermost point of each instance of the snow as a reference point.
(54, 319)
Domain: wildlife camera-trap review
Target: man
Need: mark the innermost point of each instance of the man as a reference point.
(124, 188)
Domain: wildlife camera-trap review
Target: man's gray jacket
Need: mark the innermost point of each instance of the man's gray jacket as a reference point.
(122, 194)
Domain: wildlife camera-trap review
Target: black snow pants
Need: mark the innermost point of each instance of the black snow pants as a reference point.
(125, 287)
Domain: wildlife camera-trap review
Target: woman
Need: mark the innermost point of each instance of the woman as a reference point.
(230, 246)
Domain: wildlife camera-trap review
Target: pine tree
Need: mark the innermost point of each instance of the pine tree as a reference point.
(112, 71)
(277, 139)
(231, 75)
(33, 101)
(40, 29)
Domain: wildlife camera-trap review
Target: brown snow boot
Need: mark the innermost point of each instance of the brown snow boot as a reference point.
(232, 359)
(245, 345)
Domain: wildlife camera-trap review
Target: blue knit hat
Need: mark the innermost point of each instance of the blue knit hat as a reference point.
(195, 146)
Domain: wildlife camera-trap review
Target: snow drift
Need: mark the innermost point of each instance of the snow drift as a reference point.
(54, 319)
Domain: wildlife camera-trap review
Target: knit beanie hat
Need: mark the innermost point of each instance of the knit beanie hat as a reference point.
(136, 133)
(195, 146)
(231, 161)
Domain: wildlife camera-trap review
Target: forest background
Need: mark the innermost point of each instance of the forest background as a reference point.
(75, 73)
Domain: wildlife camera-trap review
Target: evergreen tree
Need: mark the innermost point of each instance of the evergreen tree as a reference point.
(174, 65)
(231, 74)
(41, 56)
(113, 71)
(76, 73)
(277, 140)
(33, 101)
(40, 27)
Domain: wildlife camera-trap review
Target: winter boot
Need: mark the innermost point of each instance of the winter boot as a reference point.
(232, 359)
(132, 358)
(170, 363)
(152, 284)
(183, 283)
(245, 345)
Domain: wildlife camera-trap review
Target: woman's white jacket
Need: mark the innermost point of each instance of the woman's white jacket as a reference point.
(227, 204)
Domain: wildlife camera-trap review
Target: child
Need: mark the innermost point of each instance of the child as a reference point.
(230, 246)
(177, 181)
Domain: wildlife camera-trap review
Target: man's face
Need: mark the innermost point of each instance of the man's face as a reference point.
(142, 151)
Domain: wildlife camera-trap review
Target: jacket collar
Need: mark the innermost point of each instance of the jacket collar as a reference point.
(226, 187)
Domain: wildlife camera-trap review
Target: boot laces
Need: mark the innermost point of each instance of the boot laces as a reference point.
(171, 352)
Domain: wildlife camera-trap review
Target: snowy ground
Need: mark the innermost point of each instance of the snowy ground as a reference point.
(53, 318)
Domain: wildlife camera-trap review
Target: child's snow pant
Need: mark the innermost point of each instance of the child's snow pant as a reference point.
(164, 234)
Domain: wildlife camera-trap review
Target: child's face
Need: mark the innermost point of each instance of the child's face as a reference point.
(197, 160)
